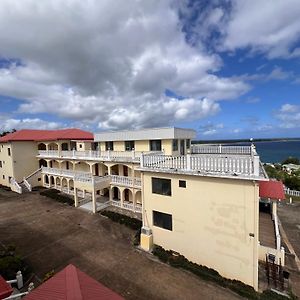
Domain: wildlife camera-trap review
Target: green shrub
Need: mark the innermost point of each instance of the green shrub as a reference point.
(11, 263)
(132, 223)
(48, 275)
(179, 261)
(55, 194)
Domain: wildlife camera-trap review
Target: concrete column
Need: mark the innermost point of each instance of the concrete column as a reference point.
(68, 183)
(94, 201)
(121, 173)
(55, 185)
(109, 170)
(133, 200)
(83, 193)
(121, 197)
(274, 208)
(91, 169)
(75, 197)
(110, 194)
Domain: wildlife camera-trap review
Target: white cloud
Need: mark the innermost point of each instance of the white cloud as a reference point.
(288, 116)
(270, 27)
(210, 129)
(108, 63)
(8, 124)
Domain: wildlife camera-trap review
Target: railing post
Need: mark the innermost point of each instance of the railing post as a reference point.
(188, 162)
(220, 148)
(142, 160)
(256, 165)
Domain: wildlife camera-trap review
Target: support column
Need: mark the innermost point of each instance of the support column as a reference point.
(83, 194)
(133, 199)
(68, 183)
(94, 201)
(75, 197)
(91, 169)
(55, 185)
(121, 197)
(110, 194)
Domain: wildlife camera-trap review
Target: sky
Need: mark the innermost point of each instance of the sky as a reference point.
(228, 69)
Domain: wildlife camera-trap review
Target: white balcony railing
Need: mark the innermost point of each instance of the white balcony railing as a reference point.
(126, 181)
(203, 163)
(15, 187)
(220, 149)
(87, 177)
(292, 192)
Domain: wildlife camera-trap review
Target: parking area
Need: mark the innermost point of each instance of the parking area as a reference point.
(50, 235)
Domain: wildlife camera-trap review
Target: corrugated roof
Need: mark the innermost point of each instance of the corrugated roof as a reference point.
(72, 284)
(47, 135)
(5, 288)
(271, 190)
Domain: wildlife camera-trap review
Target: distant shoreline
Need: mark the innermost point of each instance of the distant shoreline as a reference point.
(211, 142)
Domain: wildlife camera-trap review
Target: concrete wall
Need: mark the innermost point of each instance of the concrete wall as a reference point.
(212, 222)
(6, 170)
(24, 159)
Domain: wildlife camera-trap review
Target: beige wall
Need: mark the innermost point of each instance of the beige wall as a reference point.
(24, 159)
(7, 164)
(212, 220)
(83, 146)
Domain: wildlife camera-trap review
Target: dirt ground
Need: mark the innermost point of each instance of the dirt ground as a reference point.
(289, 216)
(50, 235)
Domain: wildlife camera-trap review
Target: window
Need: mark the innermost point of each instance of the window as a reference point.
(67, 165)
(182, 183)
(188, 143)
(161, 186)
(8, 150)
(109, 146)
(162, 220)
(155, 145)
(3, 176)
(80, 145)
(175, 145)
(0, 164)
(129, 145)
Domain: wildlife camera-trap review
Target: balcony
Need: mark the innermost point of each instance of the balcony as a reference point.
(220, 149)
(97, 181)
(246, 166)
(119, 156)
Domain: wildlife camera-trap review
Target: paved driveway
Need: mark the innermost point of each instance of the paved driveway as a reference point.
(51, 235)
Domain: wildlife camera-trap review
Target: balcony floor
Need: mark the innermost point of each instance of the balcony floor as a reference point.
(266, 230)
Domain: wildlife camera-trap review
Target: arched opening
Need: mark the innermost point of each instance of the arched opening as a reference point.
(64, 183)
(42, 146)
(54, 164)
(66, 165)
(46, 179)
(127, 195)
(138, 197)
(52, 180)
(64, 146)
(71, 184)
(82, 167)
(52, 146)
(42, 163)
(121, 170)
(116, 195)
(57, 180)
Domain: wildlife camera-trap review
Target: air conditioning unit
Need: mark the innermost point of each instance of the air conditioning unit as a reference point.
(146, 231)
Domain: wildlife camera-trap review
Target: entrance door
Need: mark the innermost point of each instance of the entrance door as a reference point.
(96, 169)
(125, 170)
(182, 147)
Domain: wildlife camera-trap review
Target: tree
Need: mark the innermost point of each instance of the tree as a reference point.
(291, 160)
(3, 133)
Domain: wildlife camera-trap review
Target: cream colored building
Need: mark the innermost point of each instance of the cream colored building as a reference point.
(200, 201)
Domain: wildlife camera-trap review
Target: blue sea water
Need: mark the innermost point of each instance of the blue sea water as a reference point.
(277, 151)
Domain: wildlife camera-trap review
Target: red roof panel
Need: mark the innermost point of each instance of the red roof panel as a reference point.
(271, 190)
(47, 135)
(72, 284)
(5, 288)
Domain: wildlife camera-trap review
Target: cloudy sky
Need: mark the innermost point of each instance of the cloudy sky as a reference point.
(228, 69)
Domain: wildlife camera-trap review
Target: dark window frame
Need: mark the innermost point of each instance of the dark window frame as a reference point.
(161, 186)
(162, 220)
(8, 151)
(188, 144)
(175, 145)
(182, 183)
(155, 145)
(129, 145)
(109, 145)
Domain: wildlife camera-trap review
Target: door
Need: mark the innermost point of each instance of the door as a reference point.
(182, 152)
(96, 169)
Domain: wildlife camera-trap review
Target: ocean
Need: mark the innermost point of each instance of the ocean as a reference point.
(276, 151)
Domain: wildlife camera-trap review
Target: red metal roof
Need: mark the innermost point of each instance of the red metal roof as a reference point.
(72, 284)
(5, 288)
(271, 190)
(47, 135)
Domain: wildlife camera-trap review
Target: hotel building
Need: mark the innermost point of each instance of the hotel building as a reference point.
(201, 201)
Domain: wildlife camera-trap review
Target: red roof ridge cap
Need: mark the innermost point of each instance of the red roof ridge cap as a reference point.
(73, 291)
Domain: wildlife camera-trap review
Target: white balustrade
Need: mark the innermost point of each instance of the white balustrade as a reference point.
(126, 181)
(27, 184)
(292, 192)
(15, 186)
(220, 149)
(214, 163)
